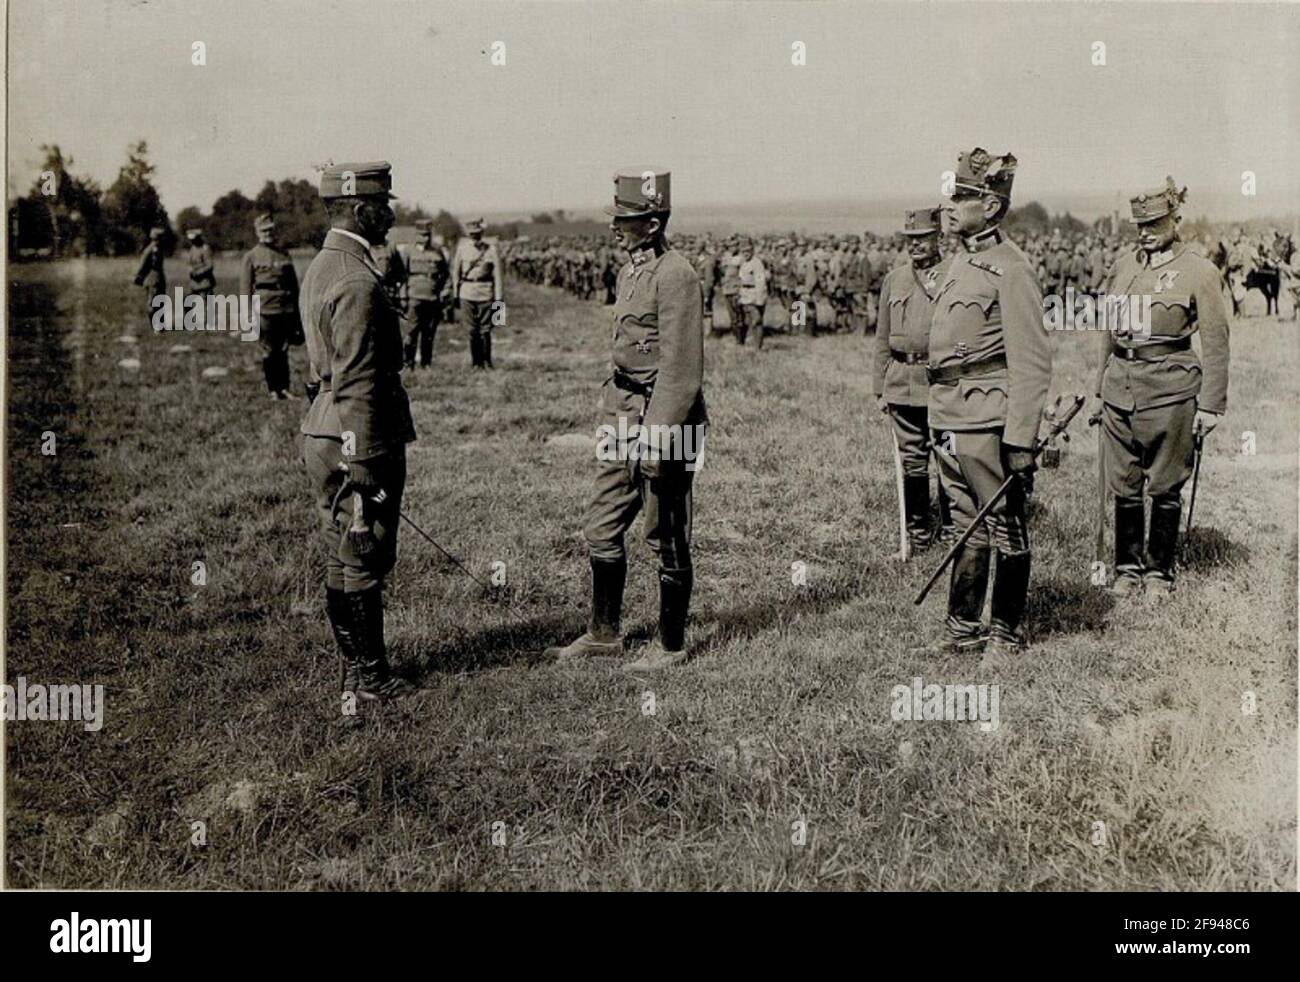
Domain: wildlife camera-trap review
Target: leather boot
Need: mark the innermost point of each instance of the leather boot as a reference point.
(487, 350)
(603, 635)
(947, 531)
(674, 601)
(377, 680)
(475, 350)
(963, 631)
(1162, 543)
(1130, 522)
(916, 506)
(345, 637)
(1010, 594)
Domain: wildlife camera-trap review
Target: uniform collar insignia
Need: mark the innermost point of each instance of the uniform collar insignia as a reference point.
(983, 240)
(1157, 259)
(1165, 281)
(641, 257)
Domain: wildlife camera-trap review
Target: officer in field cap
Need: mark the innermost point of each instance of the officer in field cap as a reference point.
(203, 277)
(359, 417)
(268, 273)
(1154, 390)
(653, 418)
(426, 273)
(476, 285)
(902, 345)
(990, 370)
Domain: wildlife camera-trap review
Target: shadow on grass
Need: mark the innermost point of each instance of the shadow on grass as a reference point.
(1207, 548)
(1062, 607)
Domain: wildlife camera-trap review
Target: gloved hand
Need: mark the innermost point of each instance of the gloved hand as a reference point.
(1021, 462)
(1206, 421)
(362, 477)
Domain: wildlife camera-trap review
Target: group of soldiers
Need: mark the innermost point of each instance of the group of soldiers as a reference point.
(961, 364)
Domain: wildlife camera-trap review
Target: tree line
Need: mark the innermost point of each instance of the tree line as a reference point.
(65, 214)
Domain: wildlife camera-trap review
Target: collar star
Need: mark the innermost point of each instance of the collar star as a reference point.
(982, 240)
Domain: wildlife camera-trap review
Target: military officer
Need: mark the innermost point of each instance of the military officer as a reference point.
(654, 403)
(151, 274)
(902, 345)
(1154, 390)
(427, 272)
(476, 285)
(990, 369)
(729, 281)
(360, 417)
(203, 277)
(752, 294)
(267, 273)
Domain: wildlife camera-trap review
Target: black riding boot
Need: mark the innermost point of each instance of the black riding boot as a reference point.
(345, 637)
(475, 350)
(1010, 594)
(487, 350)
(377, 679)
(1130, 522)
(1162, 543)
(916, 506)
(604, 635)
(669, 648)
(947, 531)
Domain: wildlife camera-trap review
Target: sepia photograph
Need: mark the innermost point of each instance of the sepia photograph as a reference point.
(574, 446)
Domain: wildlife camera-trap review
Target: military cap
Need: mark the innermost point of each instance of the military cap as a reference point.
(156, 232)
(193, 233)
(982, 173)
(921, 221)
(475, 225)
(641, 191)
(424, 224)
(1152, 205)
(264, 222)
(356, 180)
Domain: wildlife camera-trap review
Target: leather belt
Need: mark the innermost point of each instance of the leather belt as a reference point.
(628, 384)
(909, 357)
(951, 373)
(1152, 349)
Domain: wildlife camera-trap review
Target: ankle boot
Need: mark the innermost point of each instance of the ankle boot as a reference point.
(377, 680)
(1162, 543)
(1010, 595)
(1130, 520)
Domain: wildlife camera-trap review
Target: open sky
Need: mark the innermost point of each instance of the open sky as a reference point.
(889, 94)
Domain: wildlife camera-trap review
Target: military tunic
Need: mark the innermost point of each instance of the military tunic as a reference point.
(354, 345)
(657, 358)
(268, 273)
(426, 274)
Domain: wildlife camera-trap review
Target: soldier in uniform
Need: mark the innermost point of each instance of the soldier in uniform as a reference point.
(267, 272)
(151, 274)
(476, 285)
(426, 274)
(1155, 391)
(752, 297)
(656, 386)
(990, 369)
(360, 417)
(729, 275)
(203, 277)
(899, 380)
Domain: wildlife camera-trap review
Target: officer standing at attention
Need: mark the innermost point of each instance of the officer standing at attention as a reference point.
(150, 274)
(902, 346)
(267, 272)
(203, 277)
(427, 273)
(476, 285)
(752, 296)
(657, 383)
(360, 417)
(1155, 392)
(990, 369)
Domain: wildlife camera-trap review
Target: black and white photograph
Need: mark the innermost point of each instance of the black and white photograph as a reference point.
(666, 447)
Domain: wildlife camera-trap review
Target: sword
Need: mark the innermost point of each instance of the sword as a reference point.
(1198, 444)
(904, 543)
(1057, 428)
(1100, 525)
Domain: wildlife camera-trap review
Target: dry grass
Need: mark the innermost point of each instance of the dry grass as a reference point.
(221, 699)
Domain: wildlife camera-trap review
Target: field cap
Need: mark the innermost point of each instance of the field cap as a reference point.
(980, 172)
(1150, 206)
(264, 222)
(640, 191)
(357, 180)
(475, 225)
(921, 221)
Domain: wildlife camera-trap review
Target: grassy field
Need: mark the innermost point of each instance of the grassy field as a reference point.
(222, 704)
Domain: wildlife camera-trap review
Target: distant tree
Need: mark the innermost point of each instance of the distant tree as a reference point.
(299, 215)
(543, 218)
(231, 224)
(63, 212)
(446, 225)
(132, 205)
(1028, 219)
(409, 216)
